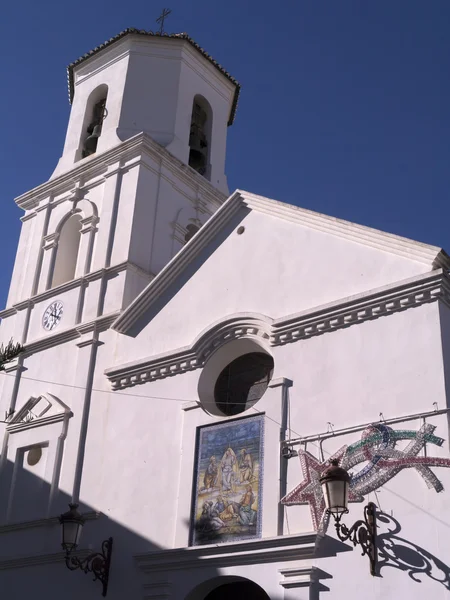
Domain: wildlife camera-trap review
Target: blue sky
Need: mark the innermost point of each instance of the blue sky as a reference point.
(344, 106)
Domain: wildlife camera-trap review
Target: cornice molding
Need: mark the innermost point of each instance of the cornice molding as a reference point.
(51, 240)
(89, 224)
(431, 256)
(192, 357)
(343, 313)
(15, 365)
(370, 305)
(39, 422)
(282, 548)
(28, 216)
(96, 325)
(163, 39)
(302, 577)
(157, 590)
(70, 285)
(50, 522)
(98, 164)
(177, 265)
(39, 559)
(280, 382)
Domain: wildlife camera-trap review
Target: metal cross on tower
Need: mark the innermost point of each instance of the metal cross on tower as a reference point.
(165, 13)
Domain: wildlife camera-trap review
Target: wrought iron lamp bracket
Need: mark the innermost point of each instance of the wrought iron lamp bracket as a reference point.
(97, 563)
(362, 533)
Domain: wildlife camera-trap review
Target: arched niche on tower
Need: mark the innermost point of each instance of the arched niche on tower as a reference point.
(94, 115)
(67, 250)
(200, 136)
(69, 247)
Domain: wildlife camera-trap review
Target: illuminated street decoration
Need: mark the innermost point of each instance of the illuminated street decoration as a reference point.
(377, 448)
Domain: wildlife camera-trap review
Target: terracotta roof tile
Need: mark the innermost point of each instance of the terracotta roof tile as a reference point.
(176, 36)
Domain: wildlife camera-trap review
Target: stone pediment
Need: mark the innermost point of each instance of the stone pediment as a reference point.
(37, 410)
(321, 259)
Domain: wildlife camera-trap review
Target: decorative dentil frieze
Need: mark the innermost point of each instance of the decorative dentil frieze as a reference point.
(331, 317)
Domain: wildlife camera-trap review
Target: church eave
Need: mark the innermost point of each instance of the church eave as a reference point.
(427, 254)
(432, 256)
(166, 36)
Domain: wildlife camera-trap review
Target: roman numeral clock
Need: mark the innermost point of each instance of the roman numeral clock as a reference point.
(52, 315)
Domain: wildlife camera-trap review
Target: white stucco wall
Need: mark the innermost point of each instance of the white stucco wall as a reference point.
(275, 269)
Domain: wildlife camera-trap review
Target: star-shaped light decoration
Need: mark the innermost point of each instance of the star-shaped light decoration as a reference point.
(309, 491)
(382, 461)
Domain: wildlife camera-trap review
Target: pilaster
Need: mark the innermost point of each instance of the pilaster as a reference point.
(50, 245)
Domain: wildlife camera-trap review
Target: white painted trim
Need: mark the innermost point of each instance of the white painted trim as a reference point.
(190, 405)
(137, 146)
(249, 325)
(39, 559)
(99, 324)
(280, 382)
(88, 516)
(283, 548)
(304, 577)
(18, 427)
(369, 305)
(352, 310)
(157, 590)
(432, 256)
(72, 284)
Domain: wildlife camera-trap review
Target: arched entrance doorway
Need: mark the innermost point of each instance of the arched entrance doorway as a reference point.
(238, 590)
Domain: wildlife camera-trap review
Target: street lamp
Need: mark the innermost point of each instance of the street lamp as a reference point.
(335, 482)
(97, 563)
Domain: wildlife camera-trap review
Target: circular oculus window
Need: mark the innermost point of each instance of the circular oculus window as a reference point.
(34, 456)
(243, 382)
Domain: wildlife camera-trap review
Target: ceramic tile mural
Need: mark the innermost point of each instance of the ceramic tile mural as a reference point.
(228, 481)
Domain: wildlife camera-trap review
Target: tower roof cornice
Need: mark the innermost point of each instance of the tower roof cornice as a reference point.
(166, 36)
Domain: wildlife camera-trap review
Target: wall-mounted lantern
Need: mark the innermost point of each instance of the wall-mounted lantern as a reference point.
(335, 482)
(97, 563)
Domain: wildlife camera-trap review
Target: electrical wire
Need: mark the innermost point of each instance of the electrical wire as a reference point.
(116, 393)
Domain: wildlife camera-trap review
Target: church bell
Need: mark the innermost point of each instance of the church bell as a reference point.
(198, 152)
(90, 143)
(197, 160)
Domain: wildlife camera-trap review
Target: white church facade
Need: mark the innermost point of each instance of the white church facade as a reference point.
(193, 360)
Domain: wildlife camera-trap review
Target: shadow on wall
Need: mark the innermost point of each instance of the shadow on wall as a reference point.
(32, 563)
(400, 553)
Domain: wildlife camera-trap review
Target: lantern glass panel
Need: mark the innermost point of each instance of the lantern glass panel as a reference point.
(336, 495)
(71, 532)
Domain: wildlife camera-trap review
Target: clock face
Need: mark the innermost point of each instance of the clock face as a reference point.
(53, 315)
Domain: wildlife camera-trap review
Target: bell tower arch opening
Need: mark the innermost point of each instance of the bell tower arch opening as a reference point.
(200, 136)
(164, 87)
(94, 115)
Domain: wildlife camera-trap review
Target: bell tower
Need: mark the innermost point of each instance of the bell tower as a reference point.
(163, 85)
(142, 168)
